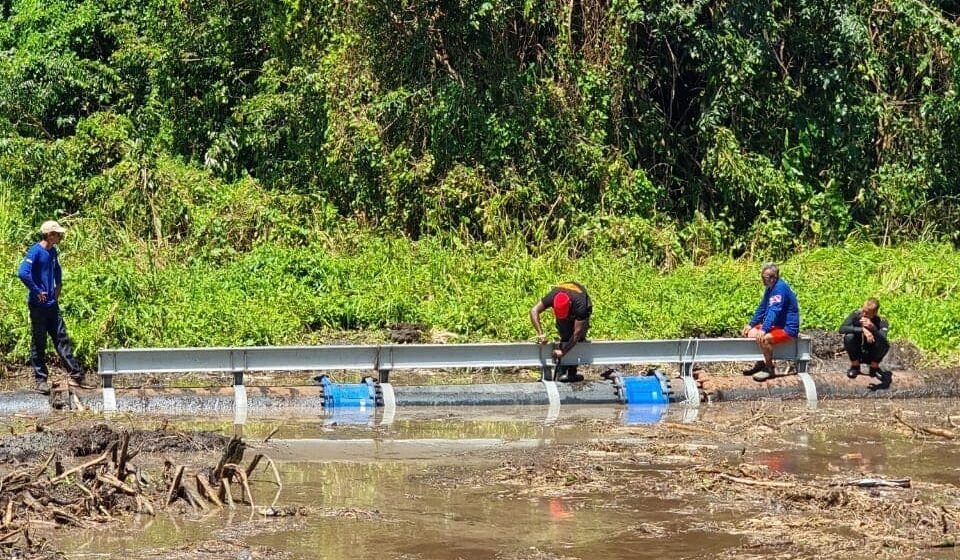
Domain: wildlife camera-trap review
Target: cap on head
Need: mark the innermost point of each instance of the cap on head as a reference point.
(51, 226)
(561, 305)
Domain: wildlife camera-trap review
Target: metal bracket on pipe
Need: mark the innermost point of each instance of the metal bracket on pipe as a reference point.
(109, 399)
(239, 404)
(109, 395)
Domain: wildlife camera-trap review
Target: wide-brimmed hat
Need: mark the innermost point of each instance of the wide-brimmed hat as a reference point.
(51, 226)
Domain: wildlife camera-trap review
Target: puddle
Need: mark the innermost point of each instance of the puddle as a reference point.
(456, 483)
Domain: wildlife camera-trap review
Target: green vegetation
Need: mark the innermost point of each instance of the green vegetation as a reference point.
(275, 295)
(268, 172)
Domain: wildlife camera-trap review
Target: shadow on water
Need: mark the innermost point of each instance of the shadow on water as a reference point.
(413, 487)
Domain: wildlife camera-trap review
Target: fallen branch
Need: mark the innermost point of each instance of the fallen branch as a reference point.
(226, 495)
(875, 482)
(116, 483)
(939, 432)
(690, 429)
(173, 490)
(43, 467)
(271, 434)
(203, 486)
(793, 420)
(101, 459)
(754, 482)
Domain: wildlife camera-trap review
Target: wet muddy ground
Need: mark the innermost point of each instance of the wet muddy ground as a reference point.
(851, 479)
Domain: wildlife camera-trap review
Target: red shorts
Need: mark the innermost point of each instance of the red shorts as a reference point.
(779, 335)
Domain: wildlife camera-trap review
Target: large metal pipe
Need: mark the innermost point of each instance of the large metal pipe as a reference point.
(221, 400)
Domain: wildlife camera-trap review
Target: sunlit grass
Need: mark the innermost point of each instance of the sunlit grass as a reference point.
(339, 287)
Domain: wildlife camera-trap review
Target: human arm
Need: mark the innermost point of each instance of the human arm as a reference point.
(535, 312)
(579, 328)
(775, 302)
(25, 273)
(875, 328)
(883, 328)
(852, 324)
(58, 276)
(758, 315)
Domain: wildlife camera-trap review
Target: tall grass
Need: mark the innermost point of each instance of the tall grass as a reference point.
(354, 281)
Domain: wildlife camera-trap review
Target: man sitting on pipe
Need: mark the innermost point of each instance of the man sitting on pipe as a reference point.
(776, 320)
(865, 339)
(572, 308)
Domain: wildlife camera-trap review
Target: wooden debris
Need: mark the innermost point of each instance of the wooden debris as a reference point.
(755, 482)
(174, 490)
(272, 433)
(939, 432)
(107, 486)
(876, 482)
(207, 491)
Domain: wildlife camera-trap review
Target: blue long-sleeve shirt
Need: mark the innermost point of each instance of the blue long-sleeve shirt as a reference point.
(778, 308)
(40, 272)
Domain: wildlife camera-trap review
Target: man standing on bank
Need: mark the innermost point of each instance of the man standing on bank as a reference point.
(865, 339)
(776, 320)
(40, 272)
(572, 308)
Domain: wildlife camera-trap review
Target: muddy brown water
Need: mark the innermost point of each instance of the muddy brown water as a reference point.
(437, 483)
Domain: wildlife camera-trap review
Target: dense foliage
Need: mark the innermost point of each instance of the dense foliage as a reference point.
(222, 148)
(314, 293)
(674, 129)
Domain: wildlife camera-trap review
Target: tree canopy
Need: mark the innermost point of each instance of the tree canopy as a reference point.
(673, 129)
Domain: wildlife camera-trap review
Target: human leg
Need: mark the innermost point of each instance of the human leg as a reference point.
(64, 346)
(767, 342)
(761, 364)
(38, 343)
(875, 353)
(853, 344)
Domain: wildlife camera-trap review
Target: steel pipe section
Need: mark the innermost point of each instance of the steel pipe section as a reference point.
(597, 392)
(386, 358)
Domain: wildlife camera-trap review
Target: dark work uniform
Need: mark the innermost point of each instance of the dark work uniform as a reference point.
(857, 348)
(40, 272)
(580, 310)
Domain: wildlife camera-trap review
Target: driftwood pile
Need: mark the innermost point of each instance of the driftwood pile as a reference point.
(108, 486)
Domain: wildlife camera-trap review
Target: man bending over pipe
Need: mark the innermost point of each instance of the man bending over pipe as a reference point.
(776, 320)
(572, 307)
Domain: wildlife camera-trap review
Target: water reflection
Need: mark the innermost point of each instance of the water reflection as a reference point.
(637, 414)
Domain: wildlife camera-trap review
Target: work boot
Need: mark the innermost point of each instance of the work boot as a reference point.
(757, 368)
(853, 372)
(80, 382)
(570, 378)
(767, 372)
(43, 387)
(885, 376)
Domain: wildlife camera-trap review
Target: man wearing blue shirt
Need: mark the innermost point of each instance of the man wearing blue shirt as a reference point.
(40, 272)
(776, 320)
